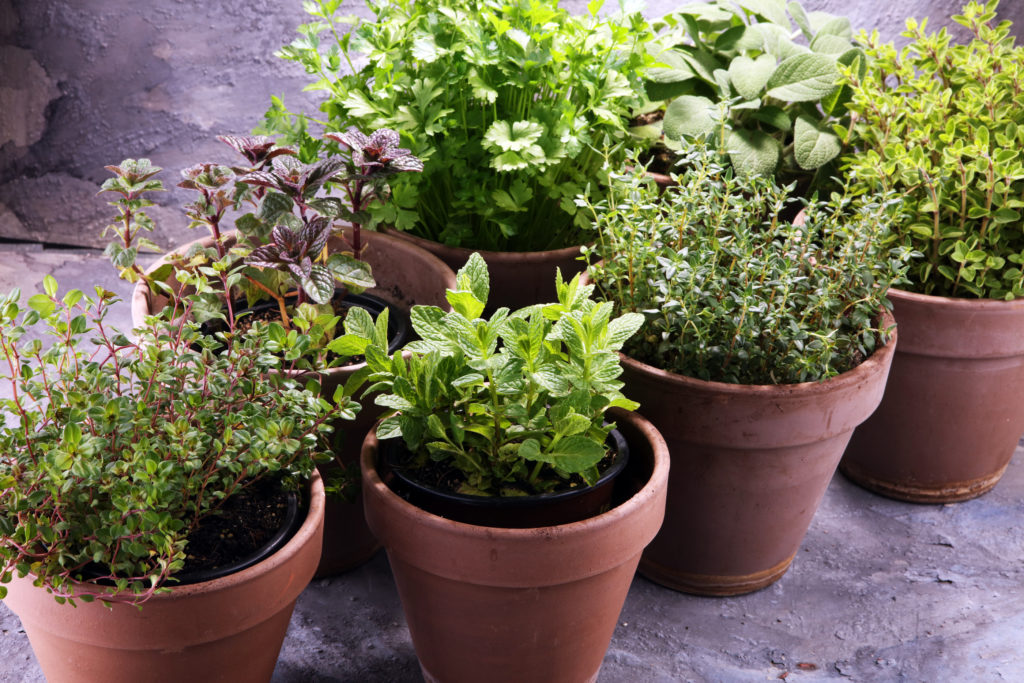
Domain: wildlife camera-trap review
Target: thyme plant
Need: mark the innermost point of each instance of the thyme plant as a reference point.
(113, 451)
(732, 293)
(942, 124)
(508, 102)
(515, 403)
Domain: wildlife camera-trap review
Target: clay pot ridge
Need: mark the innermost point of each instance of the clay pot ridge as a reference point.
(782, 401)
(518, 278)
(521, 568)
(229, 628)
(951, 416)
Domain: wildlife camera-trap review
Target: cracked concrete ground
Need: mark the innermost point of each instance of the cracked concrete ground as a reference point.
(880, 591)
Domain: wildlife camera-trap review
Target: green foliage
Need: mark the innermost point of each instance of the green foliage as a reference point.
(508, 102)
(943, 125)
(730, 292)
(516, 402)
(113, 451)
(739, 75)
(133, 180)
(281, 245)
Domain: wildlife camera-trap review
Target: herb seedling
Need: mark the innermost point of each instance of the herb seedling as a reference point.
(508, 102)
(515, 403)
(732, 293)
(942, 125)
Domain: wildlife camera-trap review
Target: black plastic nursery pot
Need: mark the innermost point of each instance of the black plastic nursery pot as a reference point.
(506, 512)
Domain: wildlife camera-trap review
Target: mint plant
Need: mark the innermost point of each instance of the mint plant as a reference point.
(280, 248)
(942, 124)
(113, 451)
(514, 404)
(760, 80)
(508, 102)
(732, 293)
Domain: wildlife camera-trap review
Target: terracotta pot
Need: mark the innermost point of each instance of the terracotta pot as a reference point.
(540, 604)
(405, 275)
(228, 629)
(518, 278)
(952, 413)
(750, 465)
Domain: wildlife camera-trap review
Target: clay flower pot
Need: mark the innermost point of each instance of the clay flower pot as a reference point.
(952, 412)
(538, 604)
(406, 275)
(227, 629)
(518, 278)
(750, 465)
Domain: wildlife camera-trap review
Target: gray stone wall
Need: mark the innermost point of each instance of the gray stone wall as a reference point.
(85, 83)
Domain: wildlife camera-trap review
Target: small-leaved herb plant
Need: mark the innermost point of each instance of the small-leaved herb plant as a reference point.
(732, 293)
(942, 124)
(757, 78)
(280, 250)
(510, 103)
(112, 451)
(514, 403)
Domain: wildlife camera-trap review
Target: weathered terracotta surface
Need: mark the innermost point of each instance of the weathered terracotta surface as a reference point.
(540, 604)
(406, 275)
(518, 278)
(229, 629)
(750, 465)
(953, 411)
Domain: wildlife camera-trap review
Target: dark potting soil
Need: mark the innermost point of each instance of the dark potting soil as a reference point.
(243, 525)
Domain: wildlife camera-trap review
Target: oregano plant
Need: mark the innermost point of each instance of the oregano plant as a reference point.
(942, 124)
(513, 404)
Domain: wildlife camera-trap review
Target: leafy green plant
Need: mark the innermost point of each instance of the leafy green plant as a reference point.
(113, 451)
(515, 403)
(508, 102)
(738, 74)
(280, 250)
(732, 293)
(943, 125)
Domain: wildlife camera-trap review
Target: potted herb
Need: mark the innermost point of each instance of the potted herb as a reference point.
(300, 258)
(510, 411)
(128, 468)
(754, 80)
(765, 343)
(512, 107)
(941, 124)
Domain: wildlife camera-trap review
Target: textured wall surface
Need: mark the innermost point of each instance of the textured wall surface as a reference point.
(85, 83)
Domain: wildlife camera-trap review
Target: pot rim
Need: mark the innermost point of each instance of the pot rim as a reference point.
(301, 537)
(657, 480)
(140, 302)
(222, 601)
(877, 361)
(962, 303)
(489, 256)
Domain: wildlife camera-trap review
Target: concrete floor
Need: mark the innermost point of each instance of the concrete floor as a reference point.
(881, 590)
